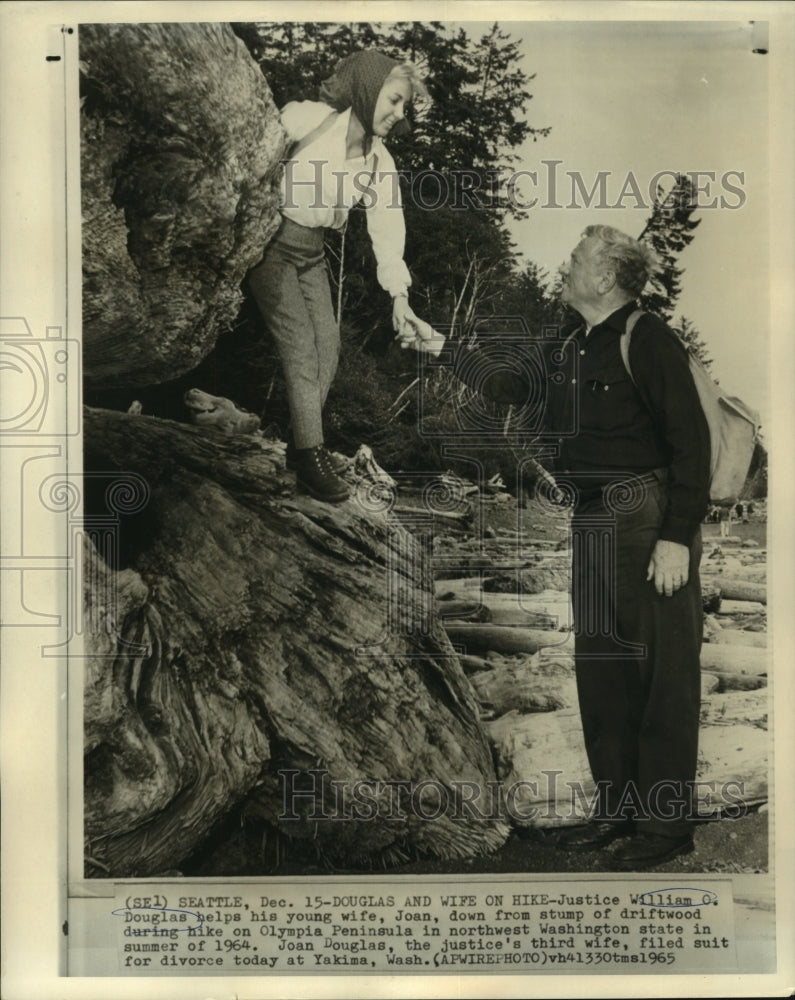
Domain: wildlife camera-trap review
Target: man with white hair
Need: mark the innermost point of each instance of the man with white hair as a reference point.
(637, 472)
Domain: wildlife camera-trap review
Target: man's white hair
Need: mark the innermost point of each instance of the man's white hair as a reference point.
(632, 261)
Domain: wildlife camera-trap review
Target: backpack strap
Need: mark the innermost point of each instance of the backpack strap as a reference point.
(623, 343)
(316, 132)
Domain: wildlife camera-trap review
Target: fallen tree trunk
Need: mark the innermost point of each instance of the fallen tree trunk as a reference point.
(506, 638)
(525, 684)
(542, 762)
(731, 607)
(741, 590)
(738, 659)
(728, 681)
(256, 651)
(463, 610)
(739, 637)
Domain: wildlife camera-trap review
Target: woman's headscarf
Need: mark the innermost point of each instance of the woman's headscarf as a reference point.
(356, 84)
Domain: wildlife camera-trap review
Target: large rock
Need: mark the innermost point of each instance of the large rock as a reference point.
(180, 147)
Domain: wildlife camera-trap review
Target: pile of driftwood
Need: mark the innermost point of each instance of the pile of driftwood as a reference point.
(503, 597)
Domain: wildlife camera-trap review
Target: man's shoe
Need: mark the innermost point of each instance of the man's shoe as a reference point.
(651, 849)
(291, 459)
(315, 474)
(597, 833)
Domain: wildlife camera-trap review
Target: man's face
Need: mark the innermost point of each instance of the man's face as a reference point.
(390, 107)
(583, 274)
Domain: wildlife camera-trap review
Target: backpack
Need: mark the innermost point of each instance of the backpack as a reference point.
(733, 426)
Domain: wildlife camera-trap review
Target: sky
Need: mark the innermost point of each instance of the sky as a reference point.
(644, 97)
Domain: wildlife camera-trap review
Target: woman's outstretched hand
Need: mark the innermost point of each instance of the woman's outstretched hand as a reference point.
(411, 331)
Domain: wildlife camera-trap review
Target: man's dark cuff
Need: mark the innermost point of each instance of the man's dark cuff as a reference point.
(678, 529)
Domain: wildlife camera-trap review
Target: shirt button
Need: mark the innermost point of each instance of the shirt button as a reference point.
(582, 352)
(574, 381)
(606, 388)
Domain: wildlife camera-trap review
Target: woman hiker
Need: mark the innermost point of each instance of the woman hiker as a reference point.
(339, 156)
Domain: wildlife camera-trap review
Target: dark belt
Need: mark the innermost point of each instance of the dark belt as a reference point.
(648, 478)
(588, 493)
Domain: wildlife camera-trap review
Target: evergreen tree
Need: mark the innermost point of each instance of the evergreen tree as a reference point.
(668, 231)
(692, 340)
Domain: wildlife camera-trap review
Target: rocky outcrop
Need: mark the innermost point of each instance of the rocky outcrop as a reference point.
(180, 146)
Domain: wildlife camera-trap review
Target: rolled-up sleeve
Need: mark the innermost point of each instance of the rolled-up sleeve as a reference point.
(387, 227)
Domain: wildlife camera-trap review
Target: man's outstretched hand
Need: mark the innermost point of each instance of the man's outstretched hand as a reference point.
(669, 567)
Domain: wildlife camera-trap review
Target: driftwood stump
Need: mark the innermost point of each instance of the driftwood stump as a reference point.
(263, 621)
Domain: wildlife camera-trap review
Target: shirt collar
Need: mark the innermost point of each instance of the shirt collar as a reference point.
(618, 320)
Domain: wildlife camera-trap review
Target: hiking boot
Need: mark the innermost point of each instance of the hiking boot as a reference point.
(315, 474)
(650, 849)
(597, 833)
(291, 459)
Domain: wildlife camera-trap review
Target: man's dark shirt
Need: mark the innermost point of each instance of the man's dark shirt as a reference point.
(623, 429)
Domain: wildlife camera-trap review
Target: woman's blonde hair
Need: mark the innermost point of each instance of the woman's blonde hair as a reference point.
(408, 71)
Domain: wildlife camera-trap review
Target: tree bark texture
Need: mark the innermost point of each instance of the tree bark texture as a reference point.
(180, 148)
(261, 618)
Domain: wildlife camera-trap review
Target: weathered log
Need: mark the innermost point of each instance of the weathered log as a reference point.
(181, 143)
(731, 607)
(463, 611)
(729, 568)
(545, 611)
(525, 684)
(552, 575)
(507, 638)
(739, 637)
(270, 646)
(542, 763)
(731, 708)
(472, 664)
(737, 659)
(712, 628)
(729, 681)
(735, 589)
(456, 516)
(734, 747)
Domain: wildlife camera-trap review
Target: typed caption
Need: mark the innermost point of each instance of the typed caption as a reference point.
(561, 926)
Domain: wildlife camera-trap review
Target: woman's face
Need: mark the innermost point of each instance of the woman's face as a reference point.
(390, 107)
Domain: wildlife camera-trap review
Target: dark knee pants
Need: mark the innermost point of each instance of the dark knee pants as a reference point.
(291, 289)
(637, 663)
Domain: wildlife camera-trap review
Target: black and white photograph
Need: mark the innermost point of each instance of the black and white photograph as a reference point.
(396, 500)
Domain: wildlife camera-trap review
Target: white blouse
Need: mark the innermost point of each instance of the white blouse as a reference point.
(320, 185)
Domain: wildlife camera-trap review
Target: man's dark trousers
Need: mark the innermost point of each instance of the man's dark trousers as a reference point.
(639, 706)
